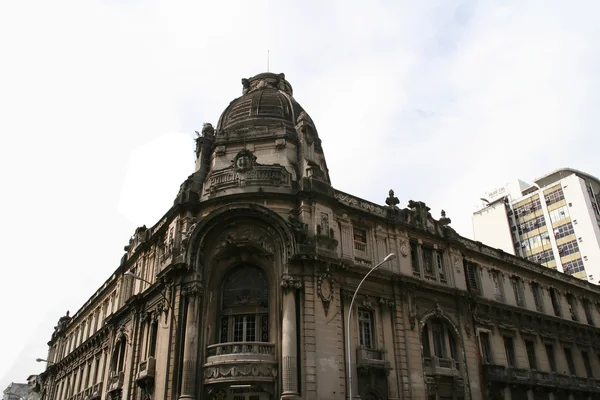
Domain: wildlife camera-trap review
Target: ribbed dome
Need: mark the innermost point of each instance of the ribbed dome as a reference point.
(266, 102)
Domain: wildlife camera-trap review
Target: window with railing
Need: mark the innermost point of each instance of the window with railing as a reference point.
(245, 306)
(360, 239)
(438, 341)
(428, 260)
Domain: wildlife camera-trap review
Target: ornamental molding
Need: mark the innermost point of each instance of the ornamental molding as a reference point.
(325, 289)
(232, 372)
(290, 282)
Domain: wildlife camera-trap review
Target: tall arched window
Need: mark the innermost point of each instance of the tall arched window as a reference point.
(244, 313)
(438, 341)
(118, 356)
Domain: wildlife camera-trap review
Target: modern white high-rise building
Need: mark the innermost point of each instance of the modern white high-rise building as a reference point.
(555, 221)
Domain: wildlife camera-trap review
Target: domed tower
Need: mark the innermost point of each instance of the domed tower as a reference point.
(264, 140)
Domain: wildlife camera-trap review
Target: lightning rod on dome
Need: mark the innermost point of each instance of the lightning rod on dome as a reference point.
(267, 60)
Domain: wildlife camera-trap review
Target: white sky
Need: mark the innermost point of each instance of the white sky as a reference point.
(439, 100)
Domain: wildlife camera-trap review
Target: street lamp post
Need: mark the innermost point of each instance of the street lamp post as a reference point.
(171, 311)
(389, 257)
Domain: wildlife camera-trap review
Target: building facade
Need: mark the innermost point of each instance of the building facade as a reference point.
(554, 222)
(243, 290)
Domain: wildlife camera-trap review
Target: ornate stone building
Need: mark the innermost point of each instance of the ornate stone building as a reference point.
(242, 291)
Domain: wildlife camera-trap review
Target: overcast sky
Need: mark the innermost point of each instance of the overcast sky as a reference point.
(438, 100)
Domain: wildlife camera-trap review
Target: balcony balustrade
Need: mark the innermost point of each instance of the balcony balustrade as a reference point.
(441, 366)
(147, 369)
(370, 358)
(510, 376)
(249, 361)
(96, 391)
(115, 381)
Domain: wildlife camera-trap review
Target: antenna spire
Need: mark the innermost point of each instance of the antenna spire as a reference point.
(267, 60)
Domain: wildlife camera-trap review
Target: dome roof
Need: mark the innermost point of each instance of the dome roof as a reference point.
(266, 101)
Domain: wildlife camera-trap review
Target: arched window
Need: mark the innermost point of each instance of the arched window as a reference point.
(244, 313)
(118, 356)
(438, 340)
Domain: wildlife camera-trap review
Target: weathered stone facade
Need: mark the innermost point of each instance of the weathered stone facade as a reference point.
(242, 290)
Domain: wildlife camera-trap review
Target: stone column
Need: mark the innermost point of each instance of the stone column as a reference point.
(190, 350)
(289, 348)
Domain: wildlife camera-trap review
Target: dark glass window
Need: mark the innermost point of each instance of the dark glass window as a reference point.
(486, 348)
(245, 306)
(569, 357)
(530, 347)
(509, 348)
(551, 358)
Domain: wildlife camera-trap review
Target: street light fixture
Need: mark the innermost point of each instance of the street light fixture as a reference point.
(389, 257)
(134, 276)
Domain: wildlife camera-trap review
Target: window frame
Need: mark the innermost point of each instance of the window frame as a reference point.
(369, 324)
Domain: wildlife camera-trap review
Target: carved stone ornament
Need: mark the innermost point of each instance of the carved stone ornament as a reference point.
(368, 302)
(386, 301)
(244, 161)
(247, 236)
(404, 248)
(192, 290)
(226, 372)
(325, 289)
(289, 282)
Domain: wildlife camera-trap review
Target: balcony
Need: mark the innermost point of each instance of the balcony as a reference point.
(511, 376)
(146, 369)
(115, 381)
(96, 391)
(438, 366)
(235, 361)
(369, 358)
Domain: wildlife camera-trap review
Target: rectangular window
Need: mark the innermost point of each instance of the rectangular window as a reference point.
(532, 206)
(472, 279)
(558, 214)
(498, 290)
(486, 348)
(531, 225)
(550, 355)
(569, 357)
(360, 239)
(574, 266)
(509, 348)
(573, 307)
(152, 342)
(587, 308)
(563, 230)
(537, 297)
(439, 257)
(530, 347)
(427, 260)
(519, 292)
(568, 248)
(542, 257)
(244, 328)
(586, 363)
(414, 257)
(554, 196)
(554, 297)
(365, 325)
